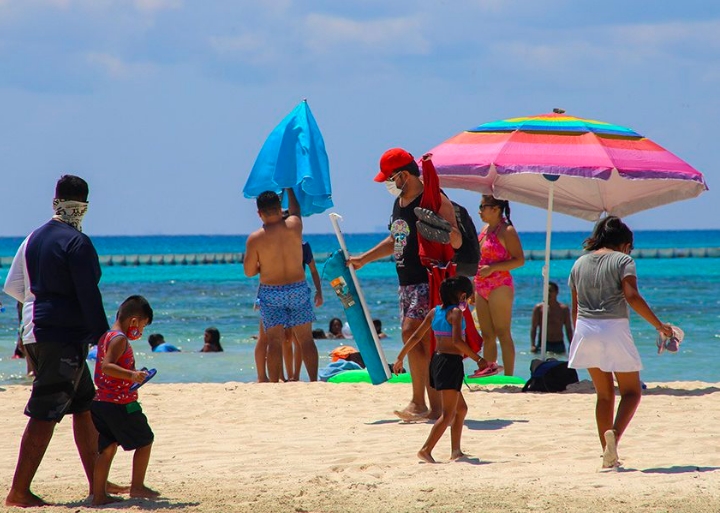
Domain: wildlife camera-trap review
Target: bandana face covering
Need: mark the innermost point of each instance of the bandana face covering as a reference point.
(70, 212)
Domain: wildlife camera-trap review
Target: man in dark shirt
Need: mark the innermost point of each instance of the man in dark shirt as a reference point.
(55, 274)
(401, 174)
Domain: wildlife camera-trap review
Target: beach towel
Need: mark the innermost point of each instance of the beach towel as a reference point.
(437, 257)
(337, 367)
(432, 252)
(436, 274)
(294, 156)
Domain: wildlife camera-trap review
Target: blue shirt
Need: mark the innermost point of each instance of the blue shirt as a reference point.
(165, 348)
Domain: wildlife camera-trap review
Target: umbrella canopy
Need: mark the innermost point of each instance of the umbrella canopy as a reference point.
(581, 167)
(294, 156)
(510, 158)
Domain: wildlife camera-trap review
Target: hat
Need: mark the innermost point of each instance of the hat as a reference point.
(392, 160)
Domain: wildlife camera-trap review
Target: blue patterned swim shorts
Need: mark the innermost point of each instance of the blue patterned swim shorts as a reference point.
(285, 305)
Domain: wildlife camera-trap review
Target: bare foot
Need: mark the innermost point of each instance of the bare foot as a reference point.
(116, 488)
(456, 455)
(434, 415)
(105, 499)
(610, 455)
(425, 456)
(144, 492)
(407, 416)
(263, 380)
(24, 500)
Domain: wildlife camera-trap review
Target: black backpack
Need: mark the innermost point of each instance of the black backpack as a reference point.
(467, 255)
(550, 375)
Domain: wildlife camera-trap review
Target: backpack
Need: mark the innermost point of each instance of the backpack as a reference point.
(467, 256)
(550, 375)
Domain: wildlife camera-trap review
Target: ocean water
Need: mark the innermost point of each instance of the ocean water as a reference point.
(189, 298)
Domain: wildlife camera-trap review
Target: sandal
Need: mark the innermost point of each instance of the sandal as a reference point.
(660, 342)
(429, 217)
(672, 343)
(432, 227)
(150, 374)
(492, 369)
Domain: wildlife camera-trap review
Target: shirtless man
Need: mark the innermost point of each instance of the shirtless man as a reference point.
(558, 317)
(275, 253)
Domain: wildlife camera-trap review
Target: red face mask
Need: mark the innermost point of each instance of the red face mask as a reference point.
(134, 333)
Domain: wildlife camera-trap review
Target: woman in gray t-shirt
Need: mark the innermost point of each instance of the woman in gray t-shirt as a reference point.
(603, 284)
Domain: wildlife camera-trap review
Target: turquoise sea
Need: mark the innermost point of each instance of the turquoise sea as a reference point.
(189, 298)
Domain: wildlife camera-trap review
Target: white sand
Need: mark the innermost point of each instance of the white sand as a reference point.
(306, 447)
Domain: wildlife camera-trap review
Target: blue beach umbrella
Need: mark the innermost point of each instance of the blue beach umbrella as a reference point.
(294, 156)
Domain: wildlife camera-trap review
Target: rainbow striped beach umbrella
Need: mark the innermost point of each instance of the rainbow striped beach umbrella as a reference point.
(581, 167)
(596, 167)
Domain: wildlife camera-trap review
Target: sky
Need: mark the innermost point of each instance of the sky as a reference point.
(163, 105)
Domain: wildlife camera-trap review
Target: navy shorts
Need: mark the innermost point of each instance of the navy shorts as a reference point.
(122, 424)
(62, 383)
(555, 347)
(446, 371)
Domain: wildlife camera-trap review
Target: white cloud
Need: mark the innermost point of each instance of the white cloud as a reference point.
(619, 46)
(117, 68)
(391, 35)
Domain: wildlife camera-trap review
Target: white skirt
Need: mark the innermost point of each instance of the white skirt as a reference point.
(606, 344)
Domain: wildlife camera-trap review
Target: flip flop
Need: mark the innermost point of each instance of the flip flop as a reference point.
(150, 374)
(432, 233)
(431, 226)
(427, 216)
(490, 370)
(671, 344)
(660, 343)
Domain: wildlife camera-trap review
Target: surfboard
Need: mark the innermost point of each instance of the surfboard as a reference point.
(346, 285)
(361, 376)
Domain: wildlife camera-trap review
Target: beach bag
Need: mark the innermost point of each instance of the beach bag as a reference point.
(550, 375)
(467, 256)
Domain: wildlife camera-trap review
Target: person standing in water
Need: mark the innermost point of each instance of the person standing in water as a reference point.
(557, 319)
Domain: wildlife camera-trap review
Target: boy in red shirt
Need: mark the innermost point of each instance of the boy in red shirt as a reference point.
(116, 413)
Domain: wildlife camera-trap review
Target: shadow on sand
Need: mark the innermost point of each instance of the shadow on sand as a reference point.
(586, 387)
(128, 503)
(491, 424)
(684, 469)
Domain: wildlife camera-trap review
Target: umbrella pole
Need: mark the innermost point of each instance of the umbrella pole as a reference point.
(546, 271)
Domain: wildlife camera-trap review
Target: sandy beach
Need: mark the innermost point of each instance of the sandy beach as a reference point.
(319, 447)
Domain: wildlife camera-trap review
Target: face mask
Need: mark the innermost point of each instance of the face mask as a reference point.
(462, 306)
(134, 333)
(392, 188)
(70, 212)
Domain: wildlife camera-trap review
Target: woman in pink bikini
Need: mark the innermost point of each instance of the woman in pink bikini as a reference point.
(500, 252)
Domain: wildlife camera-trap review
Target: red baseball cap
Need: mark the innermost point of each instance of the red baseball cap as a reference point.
(392, 160)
